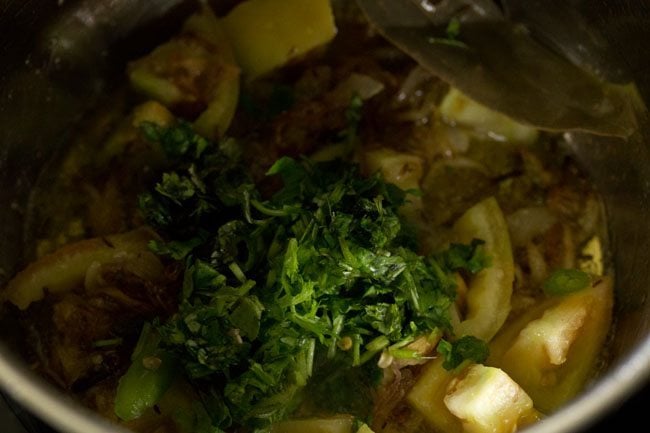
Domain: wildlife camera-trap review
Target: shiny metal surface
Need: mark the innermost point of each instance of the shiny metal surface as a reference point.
(58, 58)
(511, 70)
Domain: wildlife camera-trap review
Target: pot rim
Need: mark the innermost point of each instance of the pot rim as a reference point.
(61, 412)
(45, 401)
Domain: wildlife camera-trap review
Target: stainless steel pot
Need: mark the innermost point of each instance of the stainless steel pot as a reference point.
(58, 58)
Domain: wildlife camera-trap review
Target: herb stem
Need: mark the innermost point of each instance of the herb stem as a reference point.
(267, 210)
(108, 342)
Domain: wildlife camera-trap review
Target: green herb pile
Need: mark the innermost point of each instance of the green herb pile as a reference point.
(321, 272)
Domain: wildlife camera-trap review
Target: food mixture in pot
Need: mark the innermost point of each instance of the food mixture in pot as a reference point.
(281, 223)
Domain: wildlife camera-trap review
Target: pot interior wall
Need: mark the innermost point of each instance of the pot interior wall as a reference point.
(49, 78)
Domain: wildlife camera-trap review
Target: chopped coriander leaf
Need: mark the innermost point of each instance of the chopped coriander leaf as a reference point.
(177, 250)
(353, 115)
(178, 142)
(453, 29)
(323, 271)
(565, 281)
(348, 390)
(466, 348)
(470, 257)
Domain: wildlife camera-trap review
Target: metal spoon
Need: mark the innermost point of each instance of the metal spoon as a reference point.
(541, 78)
